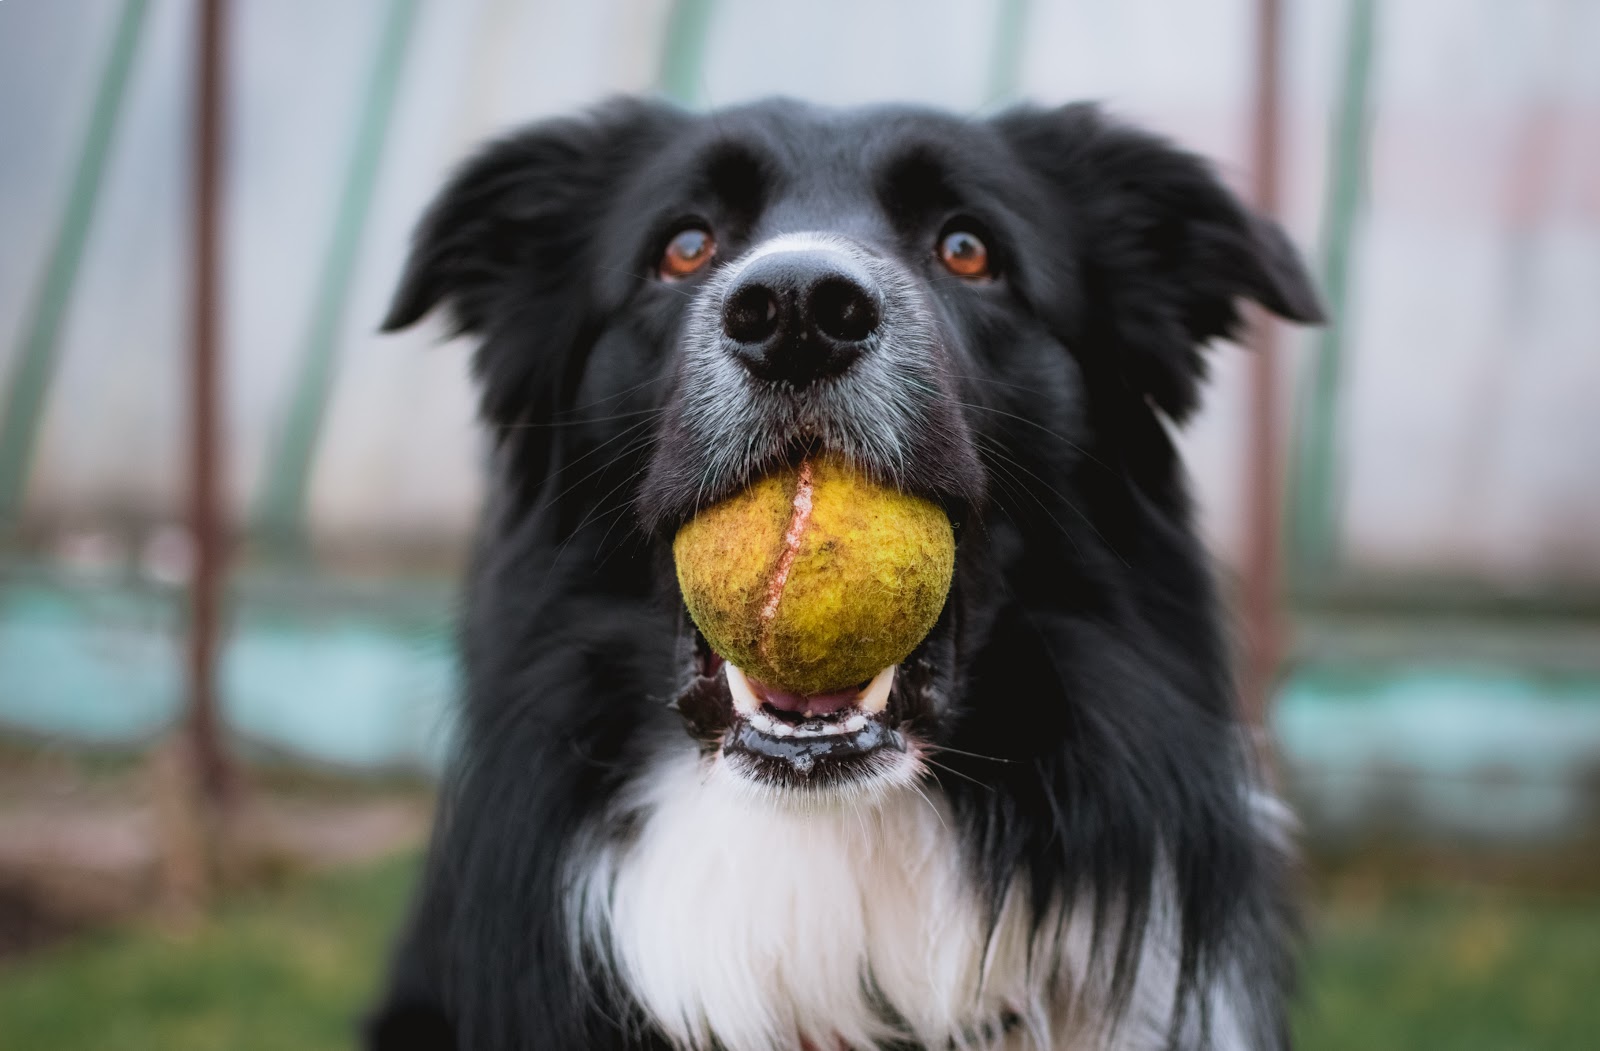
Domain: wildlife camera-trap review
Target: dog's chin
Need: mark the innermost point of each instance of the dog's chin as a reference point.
(848, 744)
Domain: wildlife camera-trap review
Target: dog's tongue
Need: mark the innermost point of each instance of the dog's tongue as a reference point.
(806, 704)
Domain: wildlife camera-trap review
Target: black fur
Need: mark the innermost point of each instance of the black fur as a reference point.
(1081, 650)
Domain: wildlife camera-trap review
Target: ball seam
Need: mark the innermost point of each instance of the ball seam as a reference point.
(800, 505)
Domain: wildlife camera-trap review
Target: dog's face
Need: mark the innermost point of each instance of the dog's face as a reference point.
(990, 314)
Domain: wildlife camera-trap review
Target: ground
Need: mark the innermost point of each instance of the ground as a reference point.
(1467, 969)
(1463, 968)
(288, 968)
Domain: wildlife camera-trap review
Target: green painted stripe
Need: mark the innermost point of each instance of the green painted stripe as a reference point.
(1315, 483)
(280, 519)
(1005, 56)
(29, 383)
(95, 666)
(1496, 739)
(683, 51)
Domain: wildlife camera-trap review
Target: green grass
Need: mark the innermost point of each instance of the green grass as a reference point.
(292, 969)
(289, 969)
(1457, 969)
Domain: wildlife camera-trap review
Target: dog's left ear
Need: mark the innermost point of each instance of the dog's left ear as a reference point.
(1167, 251)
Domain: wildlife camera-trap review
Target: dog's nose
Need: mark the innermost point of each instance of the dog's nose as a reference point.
(800, 316)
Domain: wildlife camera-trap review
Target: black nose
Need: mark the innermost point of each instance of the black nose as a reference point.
(800, 316)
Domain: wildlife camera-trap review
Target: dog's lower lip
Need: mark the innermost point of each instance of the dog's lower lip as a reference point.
(802, 743)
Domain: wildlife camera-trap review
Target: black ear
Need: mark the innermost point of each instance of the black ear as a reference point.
(1165, 250)
(518, 218)
(510, 248)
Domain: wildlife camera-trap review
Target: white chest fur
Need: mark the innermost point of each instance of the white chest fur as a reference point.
(735, 919)
(738, 922)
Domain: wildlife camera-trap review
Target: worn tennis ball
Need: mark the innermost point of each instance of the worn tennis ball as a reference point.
(815, 578)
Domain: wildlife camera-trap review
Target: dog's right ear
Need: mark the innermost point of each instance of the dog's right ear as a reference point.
(1167, 252)
(517, 220)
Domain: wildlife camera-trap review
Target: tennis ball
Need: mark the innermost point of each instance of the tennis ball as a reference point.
(815, 578)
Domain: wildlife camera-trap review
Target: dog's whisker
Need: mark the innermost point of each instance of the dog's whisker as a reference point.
(1070, 506)
(952, 770)
(1004, 464)
(575, 422)
(931, 805)
(663, 378)
(617, 514)
(631, 479)
(1034, 423)
(630, 448)
(645, 279)
(942, 748)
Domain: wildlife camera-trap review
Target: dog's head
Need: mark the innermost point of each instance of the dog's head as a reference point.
(992, 314)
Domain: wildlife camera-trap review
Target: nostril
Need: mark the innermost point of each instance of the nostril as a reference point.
(750, 315)
(843, 310)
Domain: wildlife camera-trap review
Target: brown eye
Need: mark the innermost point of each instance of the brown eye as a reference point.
(963, 254)
(687, 253)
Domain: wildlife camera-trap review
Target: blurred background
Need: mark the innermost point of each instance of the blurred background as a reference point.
(232, 516)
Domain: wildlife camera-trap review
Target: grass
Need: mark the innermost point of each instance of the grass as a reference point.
(1468, 970)
(287, 969)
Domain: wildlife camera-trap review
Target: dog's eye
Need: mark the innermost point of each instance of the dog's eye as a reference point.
(687, 253)
(964, 254)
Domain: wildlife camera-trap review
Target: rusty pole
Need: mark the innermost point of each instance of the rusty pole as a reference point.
(1261, 586)
(205, 455)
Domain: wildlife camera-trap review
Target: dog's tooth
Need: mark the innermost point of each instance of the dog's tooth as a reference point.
(745, 700)
(766, 724)
(762, 722)
(875, 698)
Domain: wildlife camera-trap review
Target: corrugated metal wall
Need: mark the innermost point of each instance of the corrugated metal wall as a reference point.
(1466, 437)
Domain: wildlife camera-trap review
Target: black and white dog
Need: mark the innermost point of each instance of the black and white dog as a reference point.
(1050, 834)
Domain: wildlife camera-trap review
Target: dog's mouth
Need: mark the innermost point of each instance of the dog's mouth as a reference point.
(868, 733)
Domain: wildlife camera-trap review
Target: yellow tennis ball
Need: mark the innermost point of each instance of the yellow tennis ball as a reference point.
(816, 578)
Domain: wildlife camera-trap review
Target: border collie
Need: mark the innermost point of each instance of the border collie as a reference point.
(1051, 835)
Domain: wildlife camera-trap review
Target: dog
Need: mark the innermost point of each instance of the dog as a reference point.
(1052, 834)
